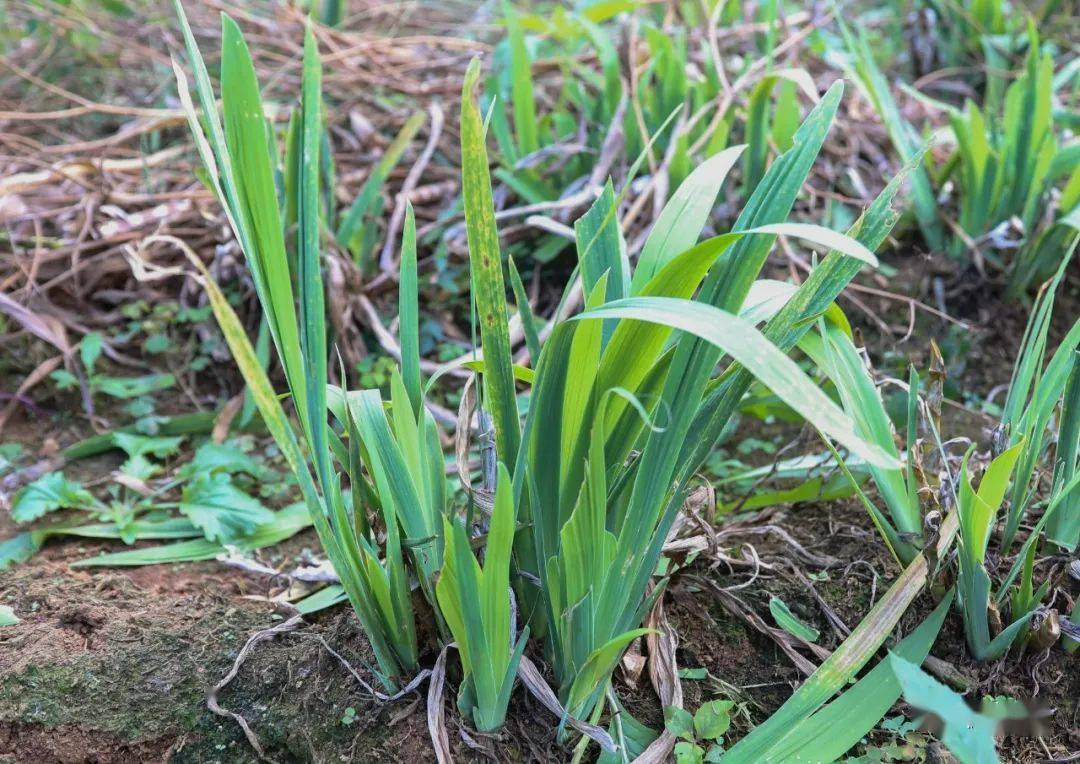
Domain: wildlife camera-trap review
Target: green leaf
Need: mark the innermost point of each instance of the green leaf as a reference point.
(138, 447)
(64, 379)
(352, 223)
(688, 753)
(632, 736)
(238, 158)
(312, 314)
(227, 457)
(286, 523)
(679, 722)
(521, 85)
(1064, 528)
(488, 286)
(157, 343)
(90, 351)
(712, 720)
(795, 729)
(1001, 707)
(746, 345)
(249, 183)
(528, 319)
(221, 510)
(967, 734)
(160, 447)
(324, 598)
(131, 387)
(758, 118)
(20, 548)
(684, 216)
(669, 457)
(839, 725)
(476, 605)
(598, 667)
(49, 493)
(787, 621)
(834, 353)
(874, 84)
(7, 616)
(409, 313)
(602, 250)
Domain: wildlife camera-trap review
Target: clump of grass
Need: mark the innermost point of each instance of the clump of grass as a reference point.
(1040, 392)
(978, 511)
(673, 105)
(235, 152)
(624, 406)
(1007, 168)
(1003, 171)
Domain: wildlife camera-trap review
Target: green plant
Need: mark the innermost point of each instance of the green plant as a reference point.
(701, 735)
(475, 602)
(594, 418)
(1004, 170)
(905, 141)
(1037, 389)
(835, 354)
(356, 228)
(1006, 165)
(978, 513)
(967, 734)
(809, 725)
(974, 32)
(1071, 643)
(1063, 528)
(212, 511)
(1035, 394)
(818, 479)
(624, 407)
(657, 107)
(331, 12)
(790, 622)
(903, 742)
(776, 125)
(124, 388)
(236, 153)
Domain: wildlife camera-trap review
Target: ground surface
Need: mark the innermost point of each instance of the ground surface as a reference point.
(116, 665)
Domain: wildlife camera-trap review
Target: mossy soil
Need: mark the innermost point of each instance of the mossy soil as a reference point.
(116, 665)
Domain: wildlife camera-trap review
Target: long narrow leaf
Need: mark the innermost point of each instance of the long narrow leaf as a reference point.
(489, 289)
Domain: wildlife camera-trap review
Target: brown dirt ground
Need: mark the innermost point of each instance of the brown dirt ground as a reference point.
(115, 665)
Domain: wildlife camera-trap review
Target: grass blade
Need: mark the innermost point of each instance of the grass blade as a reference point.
(409, 313)
(489, 289)
(746, 345)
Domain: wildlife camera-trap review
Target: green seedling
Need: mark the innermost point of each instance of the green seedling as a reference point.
(701, 735)
(212, 505)
(123, 388)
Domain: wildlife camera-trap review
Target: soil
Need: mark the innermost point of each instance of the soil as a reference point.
(115, 665)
